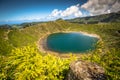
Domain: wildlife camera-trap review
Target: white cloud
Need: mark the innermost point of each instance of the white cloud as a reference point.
(108, 11)
(93, 7)
(55, 13)
(97, 7)
(70, 11)
(78, 14)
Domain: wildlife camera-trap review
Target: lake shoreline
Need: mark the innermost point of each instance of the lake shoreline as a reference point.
(42, 44)
(84, 33)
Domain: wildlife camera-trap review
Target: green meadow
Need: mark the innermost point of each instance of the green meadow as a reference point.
(21, 59)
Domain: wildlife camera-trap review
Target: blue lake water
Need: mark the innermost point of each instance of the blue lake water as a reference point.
(70, 42)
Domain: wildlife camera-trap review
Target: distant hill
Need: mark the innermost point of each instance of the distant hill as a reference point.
(112, 17)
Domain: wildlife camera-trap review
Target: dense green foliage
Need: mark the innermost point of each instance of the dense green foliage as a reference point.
(28, 64)
(12, 42)
(109, 59)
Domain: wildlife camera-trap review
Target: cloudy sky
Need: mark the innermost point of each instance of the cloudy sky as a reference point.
(44, 10)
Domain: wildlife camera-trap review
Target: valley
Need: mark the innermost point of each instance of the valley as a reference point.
(106, 53)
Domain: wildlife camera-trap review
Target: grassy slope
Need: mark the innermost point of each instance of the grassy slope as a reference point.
(30, 35)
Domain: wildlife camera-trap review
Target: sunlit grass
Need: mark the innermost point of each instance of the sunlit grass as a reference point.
(106, 54)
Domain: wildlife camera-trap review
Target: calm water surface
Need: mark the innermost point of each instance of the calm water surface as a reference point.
(70, 42)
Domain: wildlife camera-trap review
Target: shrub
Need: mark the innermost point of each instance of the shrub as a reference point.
(28, 64)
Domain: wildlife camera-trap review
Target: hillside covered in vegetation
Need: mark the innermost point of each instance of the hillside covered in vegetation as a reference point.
(21, 59)
(104, 18)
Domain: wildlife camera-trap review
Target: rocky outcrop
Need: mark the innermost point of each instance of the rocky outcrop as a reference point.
(118, 32)
(83, 70)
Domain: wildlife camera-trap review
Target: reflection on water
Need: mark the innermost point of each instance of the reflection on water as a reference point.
(70, 42)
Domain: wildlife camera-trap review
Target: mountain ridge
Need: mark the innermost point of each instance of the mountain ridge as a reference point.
(103, 18)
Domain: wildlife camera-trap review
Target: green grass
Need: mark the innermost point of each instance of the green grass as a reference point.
(107, 58)
(106, 54)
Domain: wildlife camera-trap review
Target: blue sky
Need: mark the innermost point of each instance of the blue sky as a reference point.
(44, 10)
(11, 10)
